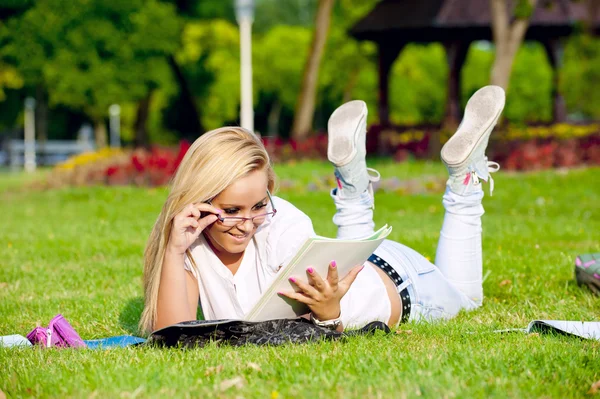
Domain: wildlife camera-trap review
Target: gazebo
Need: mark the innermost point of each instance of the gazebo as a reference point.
(456, 24)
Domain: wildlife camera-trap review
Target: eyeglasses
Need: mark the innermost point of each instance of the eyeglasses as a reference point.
(257, 220)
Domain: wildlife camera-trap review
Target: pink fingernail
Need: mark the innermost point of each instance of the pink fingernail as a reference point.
(333, 264)
(293, 280)
(310, 270)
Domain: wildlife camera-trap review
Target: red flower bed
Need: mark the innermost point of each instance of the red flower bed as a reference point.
(314, 147)
(153, 167)
(528, 148)
(515, 148)
(536, 154)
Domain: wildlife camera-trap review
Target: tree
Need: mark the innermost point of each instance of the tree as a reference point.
(278, 58)
(531, 81)
(209, 54)
(9, 79)
(508, 36)
(349, 67)
(89, 54)
(306, 100)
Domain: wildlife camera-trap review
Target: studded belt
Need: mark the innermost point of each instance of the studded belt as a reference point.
(395, 277)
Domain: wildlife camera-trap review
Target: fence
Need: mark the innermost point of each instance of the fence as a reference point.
(48, 153)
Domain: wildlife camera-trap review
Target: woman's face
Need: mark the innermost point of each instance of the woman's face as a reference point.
(247, 197)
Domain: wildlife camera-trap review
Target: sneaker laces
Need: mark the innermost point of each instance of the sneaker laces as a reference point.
(475, 175)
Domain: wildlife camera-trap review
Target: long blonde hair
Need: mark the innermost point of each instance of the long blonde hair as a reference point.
(213, 162)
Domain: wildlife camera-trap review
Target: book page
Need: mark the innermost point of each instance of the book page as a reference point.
(585, 329)
(316, 253)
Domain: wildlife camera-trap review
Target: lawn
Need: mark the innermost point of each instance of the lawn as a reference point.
(79, 252)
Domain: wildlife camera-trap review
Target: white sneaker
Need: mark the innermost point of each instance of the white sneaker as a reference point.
(464, 154)
(346, 150)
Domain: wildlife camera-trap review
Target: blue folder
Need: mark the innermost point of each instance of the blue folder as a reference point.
(112, 342)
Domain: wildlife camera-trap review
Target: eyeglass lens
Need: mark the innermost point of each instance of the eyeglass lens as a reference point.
(234, 221)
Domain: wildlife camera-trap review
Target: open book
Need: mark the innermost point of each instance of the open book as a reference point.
(583, 329)
(317, 252)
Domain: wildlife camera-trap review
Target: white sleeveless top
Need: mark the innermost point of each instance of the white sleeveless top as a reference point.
(224, 295)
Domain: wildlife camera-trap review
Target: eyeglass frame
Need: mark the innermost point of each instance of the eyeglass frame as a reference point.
(242, 219)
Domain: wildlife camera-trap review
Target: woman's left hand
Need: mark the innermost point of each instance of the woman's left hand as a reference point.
(323, 296)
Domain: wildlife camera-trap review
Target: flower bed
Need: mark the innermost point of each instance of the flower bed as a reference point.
(141, 167)
(515, 148)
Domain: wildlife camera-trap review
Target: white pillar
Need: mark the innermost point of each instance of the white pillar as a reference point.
(114, 125)
(29, 142)
(244, 12)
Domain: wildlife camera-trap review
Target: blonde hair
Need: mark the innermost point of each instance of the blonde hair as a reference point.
(215, 160)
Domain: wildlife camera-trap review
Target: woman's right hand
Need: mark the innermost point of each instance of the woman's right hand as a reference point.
(188, 224)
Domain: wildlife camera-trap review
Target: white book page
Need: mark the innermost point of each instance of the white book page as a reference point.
(584, 329)
(316, 254)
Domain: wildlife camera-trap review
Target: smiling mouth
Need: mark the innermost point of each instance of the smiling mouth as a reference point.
(238, 236)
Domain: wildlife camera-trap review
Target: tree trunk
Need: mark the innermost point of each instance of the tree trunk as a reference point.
(273, 119)
(189, 101)
(554, 52)
(100, 134)
(508, 37)
(456, 54)
(142, 139)
(593, 11)
(305, 107)
(387, 56)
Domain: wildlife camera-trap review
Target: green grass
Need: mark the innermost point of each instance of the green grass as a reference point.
(79, 252)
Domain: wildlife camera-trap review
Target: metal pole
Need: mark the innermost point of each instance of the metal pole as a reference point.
(245, 10)
(29, 139)
(115, 125)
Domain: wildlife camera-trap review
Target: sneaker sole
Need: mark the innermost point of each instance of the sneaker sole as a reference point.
(347, 117)
(481, 114)
(584, 278)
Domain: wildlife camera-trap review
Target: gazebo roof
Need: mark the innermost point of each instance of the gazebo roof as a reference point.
(442, 20)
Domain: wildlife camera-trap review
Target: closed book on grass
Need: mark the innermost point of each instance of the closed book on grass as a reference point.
(317, 252)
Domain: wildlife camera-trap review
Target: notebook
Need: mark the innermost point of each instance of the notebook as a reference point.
(317, 252)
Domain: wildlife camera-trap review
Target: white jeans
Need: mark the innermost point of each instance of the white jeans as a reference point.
(436, 292)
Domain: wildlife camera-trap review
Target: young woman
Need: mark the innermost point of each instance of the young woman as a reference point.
(222, 236)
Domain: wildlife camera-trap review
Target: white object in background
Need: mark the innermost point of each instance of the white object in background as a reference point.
(14, 340)
(115, 125)
(244, 10)
(85, 137)
(29, 128)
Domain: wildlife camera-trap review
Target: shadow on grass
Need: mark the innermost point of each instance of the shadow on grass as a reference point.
(131, 314)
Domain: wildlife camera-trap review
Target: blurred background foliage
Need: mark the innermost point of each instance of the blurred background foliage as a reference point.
(173, 67)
